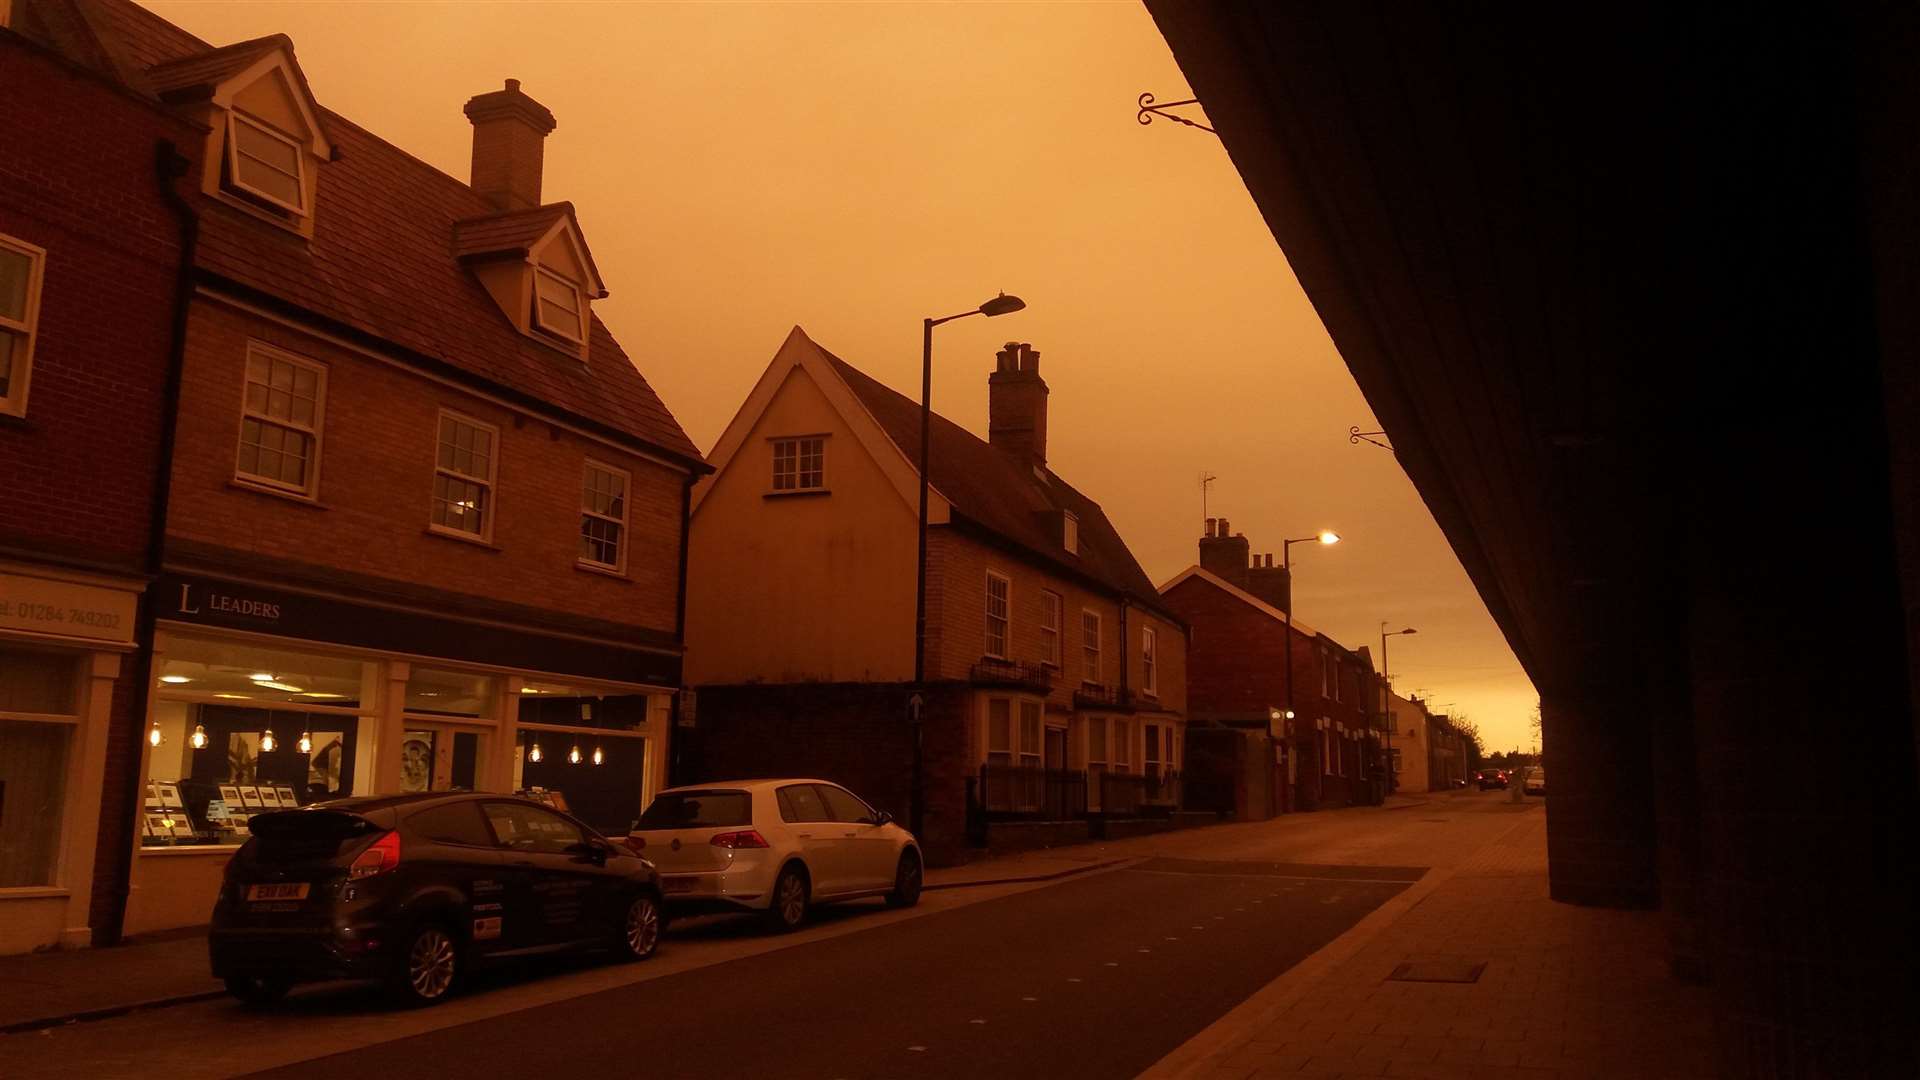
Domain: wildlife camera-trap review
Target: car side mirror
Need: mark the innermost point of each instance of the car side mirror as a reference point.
(883, 818)
(590, 850)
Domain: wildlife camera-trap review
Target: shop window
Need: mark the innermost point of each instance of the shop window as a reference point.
(38, 716)
(280, 421)
(431, 692)
(21, 268)
(586, 751)
(463, 476)
(239, 729)
(603, 517)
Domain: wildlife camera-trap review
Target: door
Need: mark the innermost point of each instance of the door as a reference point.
(557, 892)
(455, 846)
(820, 837)
(441, 757)
(866, 845)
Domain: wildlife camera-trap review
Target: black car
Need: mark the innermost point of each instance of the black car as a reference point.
(416, 889)
(1489, 779)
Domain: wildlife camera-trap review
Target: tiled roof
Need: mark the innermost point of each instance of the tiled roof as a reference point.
(211, 67)
(996, 491)
(382, 263)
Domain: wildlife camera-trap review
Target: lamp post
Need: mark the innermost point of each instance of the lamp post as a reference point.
(1325, 536)
(1386, 702)
(999, 305)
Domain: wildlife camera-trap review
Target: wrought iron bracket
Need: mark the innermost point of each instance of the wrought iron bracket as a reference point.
(1150, 109)
(1355, 436)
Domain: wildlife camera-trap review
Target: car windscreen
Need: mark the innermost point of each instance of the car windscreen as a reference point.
(698, 810)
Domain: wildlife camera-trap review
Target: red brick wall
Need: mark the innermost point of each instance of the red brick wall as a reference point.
(376, 484)
(77, 178)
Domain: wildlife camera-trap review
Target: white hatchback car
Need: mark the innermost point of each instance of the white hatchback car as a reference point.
(774, 846)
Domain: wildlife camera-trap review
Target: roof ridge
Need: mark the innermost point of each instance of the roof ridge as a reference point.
(261, 43)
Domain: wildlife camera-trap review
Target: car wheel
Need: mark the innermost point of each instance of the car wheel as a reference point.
(907, 881)
(428, 966)
(640, 933)
(258, 990)
(789, 907)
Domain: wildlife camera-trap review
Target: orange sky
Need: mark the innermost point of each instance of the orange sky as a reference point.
(739, 168)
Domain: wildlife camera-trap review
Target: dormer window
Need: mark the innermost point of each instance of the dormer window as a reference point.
(558, 307)
(1070, 532)
(265, 164)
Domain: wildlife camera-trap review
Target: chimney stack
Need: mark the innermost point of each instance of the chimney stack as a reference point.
(1223, 554)
(1017, 405)
(509, 136)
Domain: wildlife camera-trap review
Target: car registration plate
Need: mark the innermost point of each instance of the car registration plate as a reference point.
(677, 884)
(288, 891)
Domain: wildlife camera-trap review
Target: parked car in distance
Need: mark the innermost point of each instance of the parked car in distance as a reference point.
(775, 847)
(415, 890)
(1535, 782)
(1488, 779)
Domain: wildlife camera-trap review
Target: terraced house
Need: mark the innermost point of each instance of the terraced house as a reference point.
(424, 520)
(1056, 696)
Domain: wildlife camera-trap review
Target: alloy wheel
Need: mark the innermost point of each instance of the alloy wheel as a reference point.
(430, 964)
(643, 927)
(792, 899)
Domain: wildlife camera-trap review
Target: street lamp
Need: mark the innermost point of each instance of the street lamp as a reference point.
(1386, 702)
(1325, 536)
(999, 305)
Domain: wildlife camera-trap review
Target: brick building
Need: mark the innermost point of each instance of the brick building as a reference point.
(424, 523)
(1057, 681)
(1243, 634)
(90, 272)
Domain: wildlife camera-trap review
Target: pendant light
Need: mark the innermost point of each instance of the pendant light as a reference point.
(573, 755)
(154, 738)
(198, 740)
(268, 742)
(306, 742)
(533, 753)
(599, 758)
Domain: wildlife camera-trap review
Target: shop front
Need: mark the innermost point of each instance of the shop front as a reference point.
(64, 636)
(267, 699)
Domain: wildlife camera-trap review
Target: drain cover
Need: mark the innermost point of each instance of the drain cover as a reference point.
(1444, 971)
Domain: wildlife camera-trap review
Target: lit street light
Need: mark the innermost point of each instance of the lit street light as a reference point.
(999, 305)
(1386, 702)
(1325, 536)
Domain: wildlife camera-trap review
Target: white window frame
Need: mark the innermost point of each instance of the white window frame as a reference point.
(316, 431)
(1070, 532)
(1052, 610)
(578, 334)
(25, 332)
(799, 444)
(1091, 665)
(1149, 661)
(1004, 619)
(490, 509)
(587, 512)
(235, 118)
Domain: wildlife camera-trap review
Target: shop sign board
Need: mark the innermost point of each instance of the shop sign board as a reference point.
(236, 606)
(69, 609)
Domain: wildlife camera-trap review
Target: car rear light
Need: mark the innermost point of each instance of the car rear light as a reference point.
(381, 857)
(745, 838)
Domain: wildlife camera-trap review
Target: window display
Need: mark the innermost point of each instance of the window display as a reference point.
(586, 743)
(38, 715)
(246, 730)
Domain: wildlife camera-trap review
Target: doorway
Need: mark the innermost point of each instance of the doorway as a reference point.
(441, 757)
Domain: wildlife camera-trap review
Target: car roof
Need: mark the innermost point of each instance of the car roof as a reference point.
(747, 785)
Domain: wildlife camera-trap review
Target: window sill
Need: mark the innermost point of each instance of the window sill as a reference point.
(801, 494)
(307, 501)
(460, 537)
(33, 892)
(602, 571)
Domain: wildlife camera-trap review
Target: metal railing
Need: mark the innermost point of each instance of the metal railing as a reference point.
(991, 672)
(1131, 794)
(1031, 791)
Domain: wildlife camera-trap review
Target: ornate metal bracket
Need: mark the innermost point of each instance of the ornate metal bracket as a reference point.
(1355, 436)
(1149, 109)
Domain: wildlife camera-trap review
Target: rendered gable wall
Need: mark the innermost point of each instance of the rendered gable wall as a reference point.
(801, 588)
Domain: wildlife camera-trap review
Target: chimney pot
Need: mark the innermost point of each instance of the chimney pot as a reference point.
(1017, 404)
(1210, 522)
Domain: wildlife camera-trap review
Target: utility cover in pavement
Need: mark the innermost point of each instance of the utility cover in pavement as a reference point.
(1447, 971)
